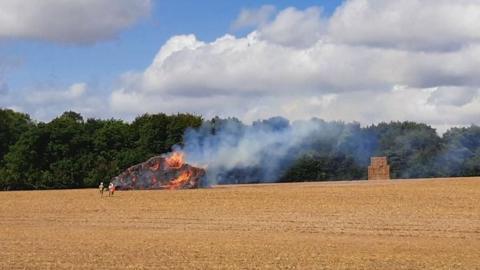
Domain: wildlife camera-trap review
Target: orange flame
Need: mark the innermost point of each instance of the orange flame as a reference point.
(176, 160)
(180, 180)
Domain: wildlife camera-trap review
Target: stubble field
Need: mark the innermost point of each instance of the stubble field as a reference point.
(417, 224)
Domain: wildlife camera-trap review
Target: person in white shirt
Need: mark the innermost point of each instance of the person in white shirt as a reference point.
(100, 188)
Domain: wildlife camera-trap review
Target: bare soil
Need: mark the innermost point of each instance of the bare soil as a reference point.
(414, 224)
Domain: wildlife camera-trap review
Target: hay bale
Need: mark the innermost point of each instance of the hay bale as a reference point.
(378, 169)
(158, 173)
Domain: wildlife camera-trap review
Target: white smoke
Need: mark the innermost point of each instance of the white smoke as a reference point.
(236, 153)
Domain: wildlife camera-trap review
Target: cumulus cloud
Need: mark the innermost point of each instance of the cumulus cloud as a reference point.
(72, 21)
(402, 103)
(407, 24)
(254, 17)
(293, 27)
(370, 61)
(453, 96)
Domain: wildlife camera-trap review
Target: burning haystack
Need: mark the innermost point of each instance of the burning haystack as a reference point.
(160, 172)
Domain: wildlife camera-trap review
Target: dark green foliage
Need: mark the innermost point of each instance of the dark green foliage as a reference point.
(461, 152)
(323, 168)
(157, 133)
(12, 125)
(338, 151)
(414, 151)
(411, 148)
(69, 152)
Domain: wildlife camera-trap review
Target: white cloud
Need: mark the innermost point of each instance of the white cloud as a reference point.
(407, 24)
(72, 21)
(453, 96)
(293, 27)
(47, 96)
(301, 64)
(251, 66)
(254, 17)
(401, 103)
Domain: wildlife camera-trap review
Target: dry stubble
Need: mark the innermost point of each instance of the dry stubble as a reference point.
(431, 224)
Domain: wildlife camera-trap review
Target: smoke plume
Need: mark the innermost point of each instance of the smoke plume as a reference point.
(261, 152)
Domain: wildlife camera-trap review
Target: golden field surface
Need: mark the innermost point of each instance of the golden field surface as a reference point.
(414, 224)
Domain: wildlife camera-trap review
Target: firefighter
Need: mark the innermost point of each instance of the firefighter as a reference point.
(111, 189)
(100, 188)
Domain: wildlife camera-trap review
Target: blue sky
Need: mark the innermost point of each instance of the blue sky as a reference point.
(354, 60)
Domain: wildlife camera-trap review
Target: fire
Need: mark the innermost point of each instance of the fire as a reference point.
(162, 172)
(176, 160)
(183, 178)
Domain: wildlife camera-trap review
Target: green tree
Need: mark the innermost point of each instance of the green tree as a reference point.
(461, 154)
(411, 148)
(150, 133)
(178, 125)
(323, 168)
(12, 125)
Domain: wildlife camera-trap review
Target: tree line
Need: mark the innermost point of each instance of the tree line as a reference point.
(73, 152)
(414, 150)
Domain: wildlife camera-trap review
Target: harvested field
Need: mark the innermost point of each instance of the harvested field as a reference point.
(417, 224)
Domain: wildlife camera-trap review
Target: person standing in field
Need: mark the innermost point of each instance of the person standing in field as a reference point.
(111, 189)
(100, 188)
